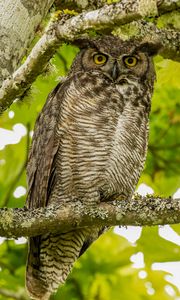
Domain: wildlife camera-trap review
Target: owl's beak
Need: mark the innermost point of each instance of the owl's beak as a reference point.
(115, 71)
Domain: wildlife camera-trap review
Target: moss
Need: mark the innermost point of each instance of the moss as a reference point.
(171, 20)
(59, 13)
(70, 12)
(126, 31)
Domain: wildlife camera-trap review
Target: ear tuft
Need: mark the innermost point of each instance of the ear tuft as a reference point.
(152, 48)
(82, 43)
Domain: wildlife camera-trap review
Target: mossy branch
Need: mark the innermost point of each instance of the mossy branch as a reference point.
(67, 28)
(16, 222)
(79, 5)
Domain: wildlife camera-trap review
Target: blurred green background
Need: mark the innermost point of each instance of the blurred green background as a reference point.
(114, 267)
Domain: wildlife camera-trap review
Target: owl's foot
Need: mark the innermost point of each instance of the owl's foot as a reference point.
(113, 197)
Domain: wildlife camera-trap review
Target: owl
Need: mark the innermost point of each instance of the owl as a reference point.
(89, 144)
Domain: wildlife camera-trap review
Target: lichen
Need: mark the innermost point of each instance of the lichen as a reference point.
(119, 216)
(27, 223)
(7, 217)
(96, 212)
(126, 31)
(148, 7)
(171, 20)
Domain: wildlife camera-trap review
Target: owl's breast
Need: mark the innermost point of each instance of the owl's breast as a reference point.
(103, 141)
(128, 151)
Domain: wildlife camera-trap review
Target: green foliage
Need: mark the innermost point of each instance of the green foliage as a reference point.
(162, 172)
(105, 271)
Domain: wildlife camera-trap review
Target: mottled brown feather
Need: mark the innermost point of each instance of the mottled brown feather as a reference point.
(42, 153)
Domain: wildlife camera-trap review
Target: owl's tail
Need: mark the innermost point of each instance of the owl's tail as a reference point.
(50, 260)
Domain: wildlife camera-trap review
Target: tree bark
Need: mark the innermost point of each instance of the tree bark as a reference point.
(16, 222)
(19, 20)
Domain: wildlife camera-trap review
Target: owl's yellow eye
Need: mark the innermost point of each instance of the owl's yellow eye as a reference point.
(130, 61)
(99, 59)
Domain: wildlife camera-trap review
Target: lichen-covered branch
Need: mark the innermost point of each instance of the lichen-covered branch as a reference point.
(79, 5)
(68, 29)
(60, 218)
(107, 17)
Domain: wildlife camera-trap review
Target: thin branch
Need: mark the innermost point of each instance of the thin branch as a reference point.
(61, 218)
(64, 28)
(13, 295)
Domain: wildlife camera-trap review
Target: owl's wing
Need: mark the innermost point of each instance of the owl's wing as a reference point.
(40, 168)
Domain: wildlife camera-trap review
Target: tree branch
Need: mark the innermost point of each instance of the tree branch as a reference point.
(107, 17)
(63, 29)
(79, 5)
(14, 295)
(16, 222)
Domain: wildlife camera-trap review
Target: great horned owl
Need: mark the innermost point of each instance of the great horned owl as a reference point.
(89, 144)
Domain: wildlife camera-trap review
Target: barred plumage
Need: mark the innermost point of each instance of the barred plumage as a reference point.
(89, 144)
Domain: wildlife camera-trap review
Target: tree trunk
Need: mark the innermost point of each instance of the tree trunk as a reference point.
(19, 20)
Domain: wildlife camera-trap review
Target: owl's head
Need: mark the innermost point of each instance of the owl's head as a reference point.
(119, 61)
